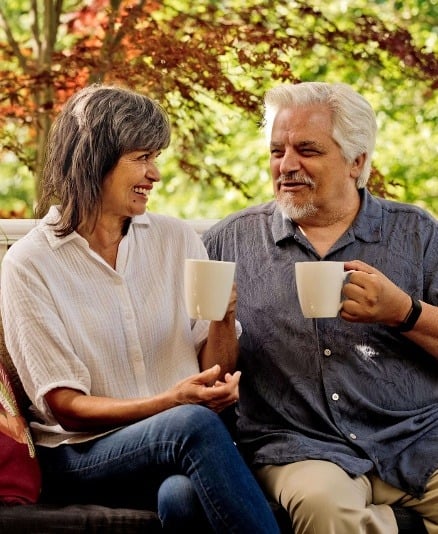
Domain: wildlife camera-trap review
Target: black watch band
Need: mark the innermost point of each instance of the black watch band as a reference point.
(412, 317)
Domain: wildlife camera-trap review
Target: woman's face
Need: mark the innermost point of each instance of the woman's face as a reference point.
(127, 186)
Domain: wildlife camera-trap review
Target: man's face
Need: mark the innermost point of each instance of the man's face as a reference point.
(310, 174)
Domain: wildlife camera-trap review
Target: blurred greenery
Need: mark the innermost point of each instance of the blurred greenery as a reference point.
(218, 159)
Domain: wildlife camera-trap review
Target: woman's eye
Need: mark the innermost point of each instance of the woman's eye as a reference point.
(149, 156)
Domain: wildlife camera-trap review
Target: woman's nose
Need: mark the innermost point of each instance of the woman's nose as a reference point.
(152, 172)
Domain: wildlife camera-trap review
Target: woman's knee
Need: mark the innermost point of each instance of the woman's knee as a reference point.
(194, 413)
(179, 508)
(196, 420)
(177, 494)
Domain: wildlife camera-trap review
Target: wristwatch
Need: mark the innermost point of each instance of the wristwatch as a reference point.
(412, 316)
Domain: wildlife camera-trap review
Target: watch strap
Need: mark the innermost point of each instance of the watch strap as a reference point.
(412, 316)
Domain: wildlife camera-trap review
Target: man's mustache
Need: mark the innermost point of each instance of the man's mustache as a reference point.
(295, 177)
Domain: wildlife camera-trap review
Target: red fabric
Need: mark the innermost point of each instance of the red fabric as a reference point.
(20, 476)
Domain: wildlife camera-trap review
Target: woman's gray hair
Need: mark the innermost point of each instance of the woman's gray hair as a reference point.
(353, 119)
(95, 128)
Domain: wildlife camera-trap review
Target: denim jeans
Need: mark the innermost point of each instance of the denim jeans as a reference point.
(179, 507)
(128, 467)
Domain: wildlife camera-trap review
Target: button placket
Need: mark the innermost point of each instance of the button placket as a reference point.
(133, 344)
(335, 397)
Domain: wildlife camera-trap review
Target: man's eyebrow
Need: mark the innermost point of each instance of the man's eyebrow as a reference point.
(306, 143)
(309, 144)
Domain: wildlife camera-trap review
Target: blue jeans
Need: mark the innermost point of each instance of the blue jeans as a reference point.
(179, 508)
(129, 466)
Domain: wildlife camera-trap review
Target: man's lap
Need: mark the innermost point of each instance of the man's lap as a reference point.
(325, 486)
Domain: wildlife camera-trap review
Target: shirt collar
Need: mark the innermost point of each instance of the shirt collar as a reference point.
(369, 221)
(367, 226)
(52, 217)
(282, 227)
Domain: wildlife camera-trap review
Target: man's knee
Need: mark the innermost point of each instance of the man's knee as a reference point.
(313, 485)
(320, 496)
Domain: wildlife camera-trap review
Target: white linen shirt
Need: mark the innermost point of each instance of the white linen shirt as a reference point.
(73, 321)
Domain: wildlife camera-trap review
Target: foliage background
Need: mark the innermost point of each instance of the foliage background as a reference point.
(209, 63)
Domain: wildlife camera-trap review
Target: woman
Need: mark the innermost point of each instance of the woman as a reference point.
(125, 388)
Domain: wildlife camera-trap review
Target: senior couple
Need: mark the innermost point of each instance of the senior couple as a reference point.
(337, 418)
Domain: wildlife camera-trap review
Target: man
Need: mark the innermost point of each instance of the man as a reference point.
(339, 417)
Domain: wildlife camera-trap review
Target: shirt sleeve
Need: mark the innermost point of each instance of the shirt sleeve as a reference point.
(35, 335)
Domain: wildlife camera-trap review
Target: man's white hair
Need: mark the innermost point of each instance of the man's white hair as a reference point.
(353, 119)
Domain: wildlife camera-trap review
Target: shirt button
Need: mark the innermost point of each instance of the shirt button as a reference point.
(327, 352)
(353, 436)
(335, 397)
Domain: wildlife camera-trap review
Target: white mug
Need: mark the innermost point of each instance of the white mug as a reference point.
(207, 287)
(319, 285)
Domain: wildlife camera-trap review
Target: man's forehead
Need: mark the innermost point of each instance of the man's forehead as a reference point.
(303, 126)
(310, 116)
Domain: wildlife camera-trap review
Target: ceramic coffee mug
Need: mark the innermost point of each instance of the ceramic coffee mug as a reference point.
(319, 286)
(207, 286)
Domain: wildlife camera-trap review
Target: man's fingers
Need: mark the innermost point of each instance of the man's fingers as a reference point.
(209, 375)
(358, 265)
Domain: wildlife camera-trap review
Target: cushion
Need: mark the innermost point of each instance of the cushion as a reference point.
(77, 519)
(20, 475)
(22, 399)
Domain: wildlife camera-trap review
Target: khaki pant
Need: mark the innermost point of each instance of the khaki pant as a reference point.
(322, 499)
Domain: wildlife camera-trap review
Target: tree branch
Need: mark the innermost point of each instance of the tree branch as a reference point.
(12, 42)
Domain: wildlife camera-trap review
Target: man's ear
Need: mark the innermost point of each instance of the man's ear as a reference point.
(357, 165)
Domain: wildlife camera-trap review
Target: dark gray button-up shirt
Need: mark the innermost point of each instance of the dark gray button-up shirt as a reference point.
(359, 395)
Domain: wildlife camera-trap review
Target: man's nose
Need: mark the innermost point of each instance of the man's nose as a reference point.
(290, 162)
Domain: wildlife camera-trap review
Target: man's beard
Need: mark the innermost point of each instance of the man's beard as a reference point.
(288, 208)
(286, 201)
